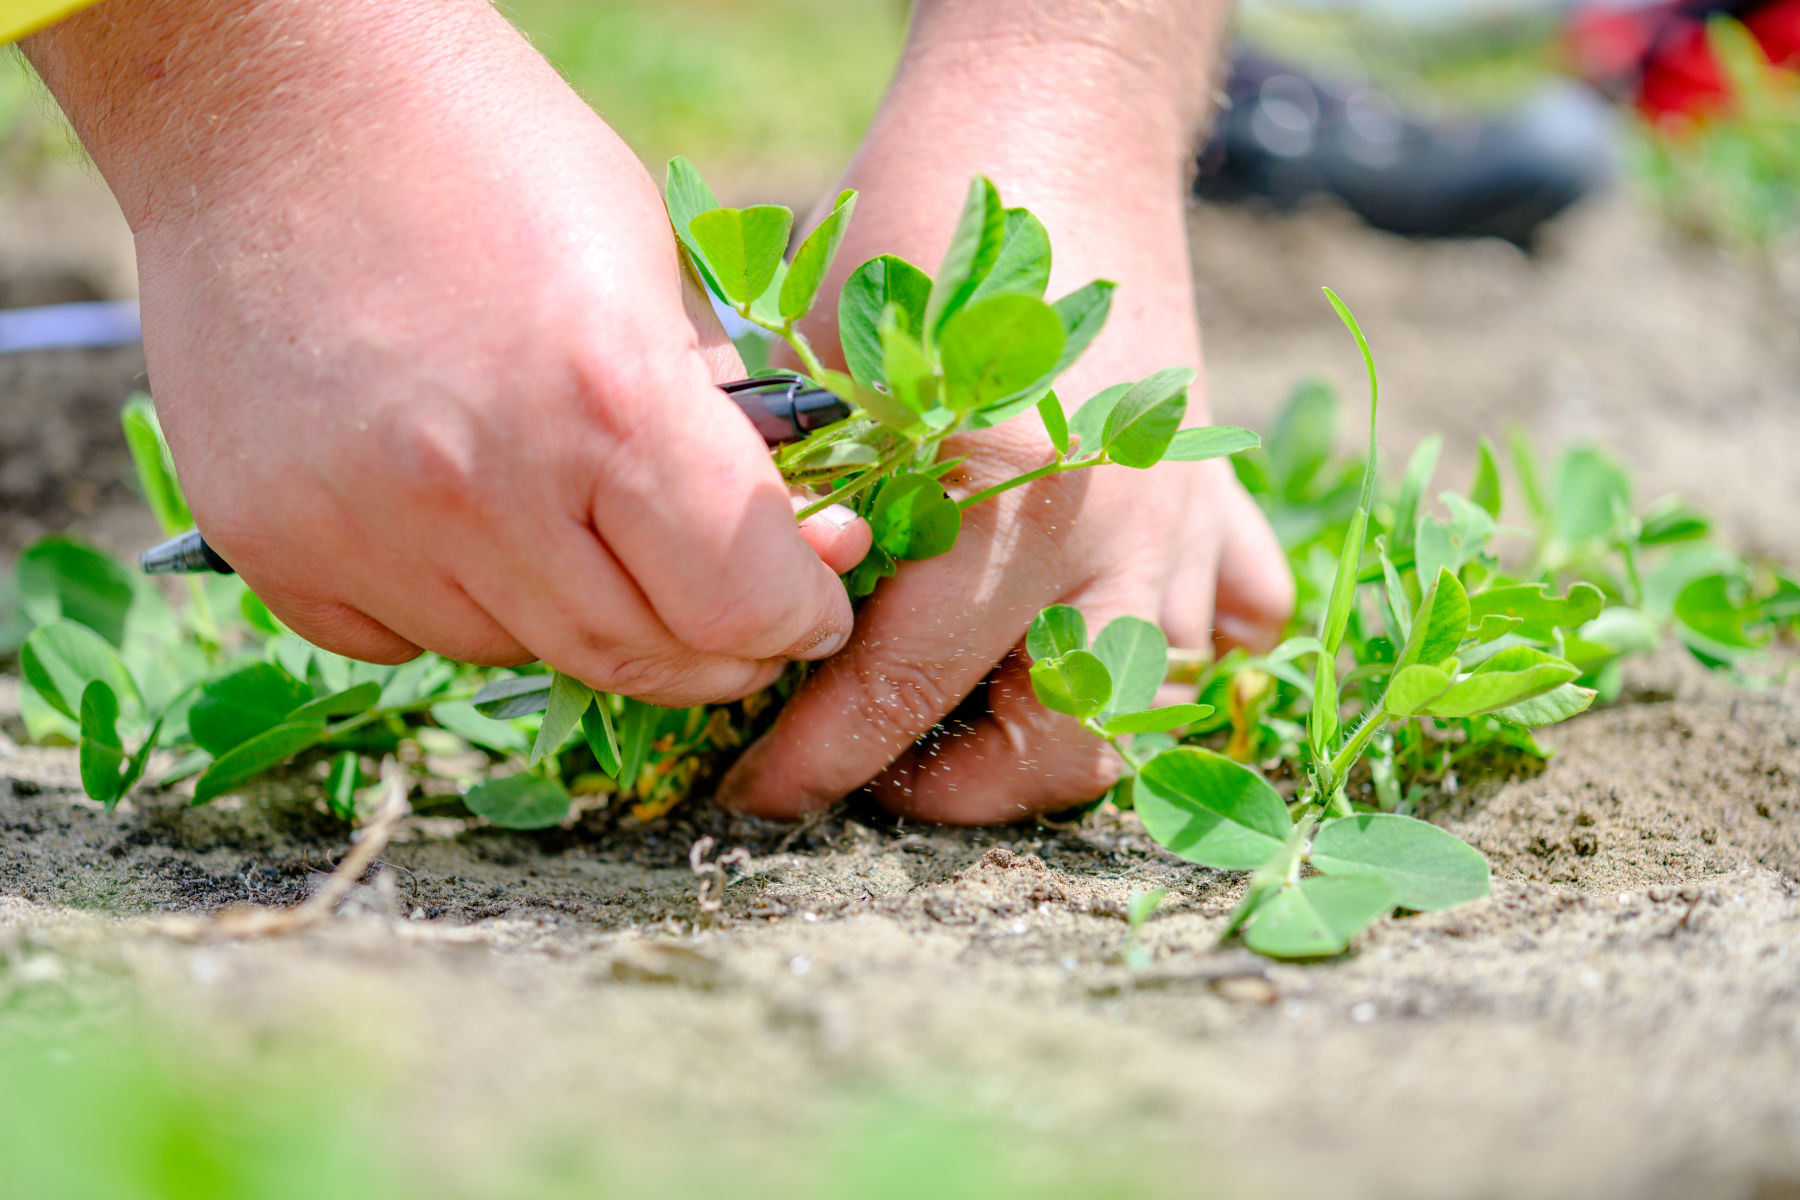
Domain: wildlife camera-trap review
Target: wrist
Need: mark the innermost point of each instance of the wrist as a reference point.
(1140, 71)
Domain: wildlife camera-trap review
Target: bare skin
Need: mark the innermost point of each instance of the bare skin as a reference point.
(419, 333)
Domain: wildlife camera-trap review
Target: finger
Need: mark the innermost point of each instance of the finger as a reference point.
(341, 629)
(837, 535)
(435, 613)
(1255, 587)
(570, 604)
(925, 641)
(686, 497)
(1017, 760)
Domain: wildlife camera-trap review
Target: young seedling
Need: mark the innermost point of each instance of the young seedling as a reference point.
(1321, 872)
(1138, 910)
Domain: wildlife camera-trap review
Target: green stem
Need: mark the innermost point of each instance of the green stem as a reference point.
(397, 710)
(208, 627)
(1056, 467)
(859, 484)
(1631, 572)
(802, 348)
(1344, 759)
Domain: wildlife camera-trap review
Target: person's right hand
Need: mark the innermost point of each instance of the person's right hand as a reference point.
(420, 342)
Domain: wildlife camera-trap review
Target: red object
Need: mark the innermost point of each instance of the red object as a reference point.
(1658, 56)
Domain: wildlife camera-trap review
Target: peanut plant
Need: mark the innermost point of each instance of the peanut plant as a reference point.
(1427, 652)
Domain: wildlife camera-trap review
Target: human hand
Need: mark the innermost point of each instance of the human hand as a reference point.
(418, 334)
(1181, 544)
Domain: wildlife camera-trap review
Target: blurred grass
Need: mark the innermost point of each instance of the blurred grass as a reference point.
(138, 1111)
(771, 89)
(775, 89)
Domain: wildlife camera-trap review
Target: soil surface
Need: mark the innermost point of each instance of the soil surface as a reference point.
(1620, 1018)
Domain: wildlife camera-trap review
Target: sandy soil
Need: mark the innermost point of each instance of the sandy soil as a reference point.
(1621, 1018)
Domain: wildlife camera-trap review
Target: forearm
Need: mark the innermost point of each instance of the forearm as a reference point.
(183, 101)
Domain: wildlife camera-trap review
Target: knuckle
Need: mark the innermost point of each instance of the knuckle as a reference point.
(628, 674)
(728, 624)
(901, 699)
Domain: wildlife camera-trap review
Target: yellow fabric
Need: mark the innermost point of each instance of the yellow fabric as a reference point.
(20, 17)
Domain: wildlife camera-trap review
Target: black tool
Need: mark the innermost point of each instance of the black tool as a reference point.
(784, 408)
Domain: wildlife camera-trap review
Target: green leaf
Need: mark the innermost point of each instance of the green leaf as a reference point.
(1540, 611)
(1530, 475)
(637, 731)
(462, 719)
(1453, 543)
(1399, 600)
(1484, 492)
(1212, 441)
(1136, 656)
(602, 738)
(235, 708)
(868, 292)
(515, 696)
(914, 518)
(1419, 469)
(686, 196)
(1514, 674)
(767, 307)
(1557, 704)
(155, 468)
(1669, 520)
(1441, 625)
(1591, 490)
(1090, 419)
(974, 247)
(1158, 720)
(1056, 631)
(1493, 627)
(889, 410)
(1208, 809)
(1056, 424)
(341, 783)
(1343, 584)
(812, 261)
(1075, 683)
(910, 377)
(744, 246)
(247, 760)
(1144, 420)
(1022, 268)
(569, 698)
(520, 801)
(59, 659)
(1303, 437)
(1411, 688)
(102, 751)
(60, 579)
(1318, 916)
(1717, 608)
(1083, 312)
(995, 349)
(1427, 868)
(351, 702)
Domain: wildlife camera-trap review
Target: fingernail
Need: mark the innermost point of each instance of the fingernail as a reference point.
(829, 643)
(839, 516)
